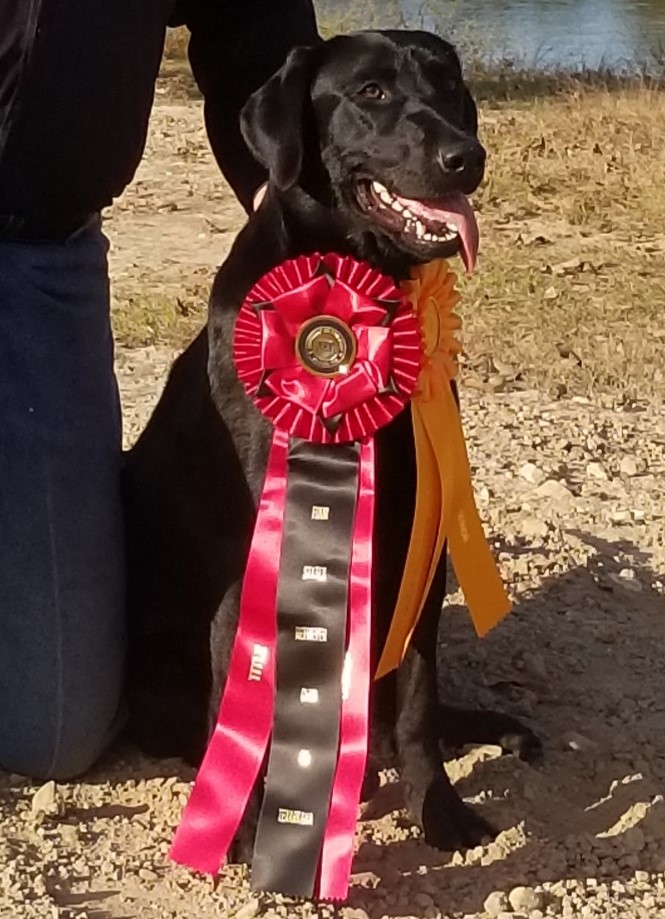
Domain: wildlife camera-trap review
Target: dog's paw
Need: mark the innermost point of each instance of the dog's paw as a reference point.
(449, 824)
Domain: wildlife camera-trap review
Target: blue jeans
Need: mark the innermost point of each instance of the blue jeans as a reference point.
(61, 542)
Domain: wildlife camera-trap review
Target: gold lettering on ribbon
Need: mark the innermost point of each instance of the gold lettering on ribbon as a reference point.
(295, 817)
(310, 633)
(258, 662)
(314, 573)
(309, 696)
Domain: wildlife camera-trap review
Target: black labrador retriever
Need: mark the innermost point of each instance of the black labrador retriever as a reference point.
(371, 144)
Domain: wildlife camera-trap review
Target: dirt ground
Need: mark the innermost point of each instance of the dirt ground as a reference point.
(569, 479)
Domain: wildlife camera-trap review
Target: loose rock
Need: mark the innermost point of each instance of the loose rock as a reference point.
(629, 466)
(597, 471)
(533, 528)
(45, 800)
(249, 910)
(524, 898)
(554, 489)
(531, 473)
(579, 743)
(496, 903)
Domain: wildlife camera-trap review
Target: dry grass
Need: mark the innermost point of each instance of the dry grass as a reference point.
(571, 289)
(155, 316)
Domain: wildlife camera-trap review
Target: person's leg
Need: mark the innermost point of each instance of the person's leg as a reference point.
(61, 546)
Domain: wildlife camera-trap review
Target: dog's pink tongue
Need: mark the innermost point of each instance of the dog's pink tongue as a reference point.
(454, 209)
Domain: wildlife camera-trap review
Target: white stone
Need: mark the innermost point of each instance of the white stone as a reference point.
(629, 466)
(524, 898)
(597, 471)
(44, 800)
(496, 903)
(533, 528)
(532, 473)
(552, 488)
(249, 910)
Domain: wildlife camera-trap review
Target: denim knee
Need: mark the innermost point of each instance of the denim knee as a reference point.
(62, 604)
(60, 755)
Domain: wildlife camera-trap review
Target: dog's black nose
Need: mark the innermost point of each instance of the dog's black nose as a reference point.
(466, 156)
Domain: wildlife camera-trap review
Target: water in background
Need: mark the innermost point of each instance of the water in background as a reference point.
(562, 33)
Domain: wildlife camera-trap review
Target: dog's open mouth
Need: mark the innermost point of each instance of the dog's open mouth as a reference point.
(443, 226)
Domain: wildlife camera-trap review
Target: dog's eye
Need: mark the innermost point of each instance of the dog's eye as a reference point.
(372, 91)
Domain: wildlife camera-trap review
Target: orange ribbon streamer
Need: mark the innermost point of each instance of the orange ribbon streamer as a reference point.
(445, 507)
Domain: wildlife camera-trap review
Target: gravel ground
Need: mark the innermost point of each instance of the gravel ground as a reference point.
(571, 492)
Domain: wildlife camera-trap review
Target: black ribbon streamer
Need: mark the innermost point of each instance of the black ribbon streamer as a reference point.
(312, 601)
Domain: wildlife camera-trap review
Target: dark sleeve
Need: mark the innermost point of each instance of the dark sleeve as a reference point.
(235, 46)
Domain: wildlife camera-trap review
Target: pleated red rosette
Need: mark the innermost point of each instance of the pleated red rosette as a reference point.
(327, 409)
(329, 351)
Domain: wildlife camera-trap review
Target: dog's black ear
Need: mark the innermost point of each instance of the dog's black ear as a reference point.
(272, 118)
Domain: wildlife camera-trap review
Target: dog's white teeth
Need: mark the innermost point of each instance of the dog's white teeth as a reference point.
(411, 223)
(384, 195)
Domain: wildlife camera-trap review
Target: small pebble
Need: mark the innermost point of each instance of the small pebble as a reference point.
(551, 488)
(44, 800)
(146, 874)
(249, 910)
(578, 742)
(597, 471)
(496, 903)
(524, 898)
(629, 466)
(532, 473)
(533, 528)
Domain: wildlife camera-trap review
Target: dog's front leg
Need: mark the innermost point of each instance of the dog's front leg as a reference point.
(432, 802)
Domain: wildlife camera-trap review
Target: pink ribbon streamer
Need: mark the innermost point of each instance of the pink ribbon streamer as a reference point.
(337, 852)
(237, 747)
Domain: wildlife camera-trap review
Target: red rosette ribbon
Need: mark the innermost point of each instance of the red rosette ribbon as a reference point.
(374, 379)
(329, 350)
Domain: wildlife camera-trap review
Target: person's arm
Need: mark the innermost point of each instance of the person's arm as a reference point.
(235, 46)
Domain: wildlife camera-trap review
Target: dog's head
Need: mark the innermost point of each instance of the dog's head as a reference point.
(381, 129)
